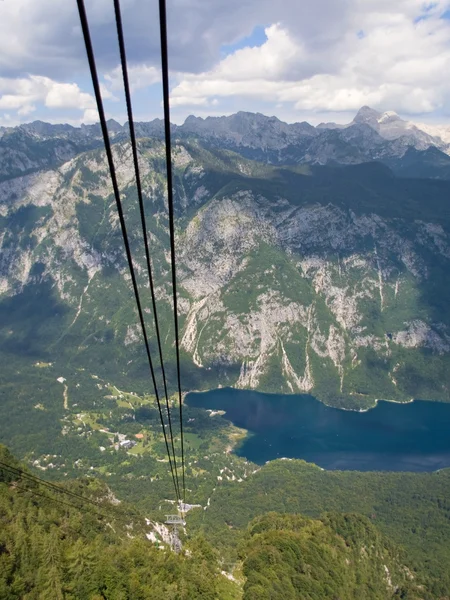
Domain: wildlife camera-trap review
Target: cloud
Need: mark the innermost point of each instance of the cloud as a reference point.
(398, 64)
(64, 95)
(139, 76)
(24, 93)
(90, 115)
(38, 38)
(273, 60)
(319, 56)
(44, 38)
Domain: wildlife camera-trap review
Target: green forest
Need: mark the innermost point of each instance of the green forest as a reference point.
(412, 509)
(54, 545)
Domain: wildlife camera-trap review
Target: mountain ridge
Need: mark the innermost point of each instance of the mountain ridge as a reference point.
(365, 115)
(371, 136)
(319, 279)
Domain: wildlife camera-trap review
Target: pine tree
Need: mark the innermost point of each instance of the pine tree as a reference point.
(50, 573)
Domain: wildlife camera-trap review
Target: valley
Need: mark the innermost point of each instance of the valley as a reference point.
(310, 264)
(226, 490)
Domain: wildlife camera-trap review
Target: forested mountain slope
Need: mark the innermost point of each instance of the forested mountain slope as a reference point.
(339, 556)
(412, 509)
(56, 547)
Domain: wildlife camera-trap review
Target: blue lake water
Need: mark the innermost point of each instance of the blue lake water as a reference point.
(390, 437)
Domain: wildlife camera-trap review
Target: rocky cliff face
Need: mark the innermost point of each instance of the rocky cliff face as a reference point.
(303, 295)
(326, 281)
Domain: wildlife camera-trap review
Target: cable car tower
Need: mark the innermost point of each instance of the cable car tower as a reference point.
(174, 522)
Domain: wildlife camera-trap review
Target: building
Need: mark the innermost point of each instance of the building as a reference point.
(127, 444)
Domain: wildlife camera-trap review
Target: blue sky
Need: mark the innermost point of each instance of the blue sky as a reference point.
(257, 38)
(299, 61)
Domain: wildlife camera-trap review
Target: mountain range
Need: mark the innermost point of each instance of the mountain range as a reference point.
(305, 265)
(370, 136)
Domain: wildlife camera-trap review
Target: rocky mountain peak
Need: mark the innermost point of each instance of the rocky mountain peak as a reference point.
(114, 126)
(192, 119)
(371, 135)
(367, 115)
(389, 117)
(42, 129)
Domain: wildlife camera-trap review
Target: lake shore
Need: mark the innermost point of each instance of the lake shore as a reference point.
(357, 410)
(413, 437)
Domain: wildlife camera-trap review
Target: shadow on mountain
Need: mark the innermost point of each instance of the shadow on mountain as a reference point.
(363, 188)
(32, 320)
(428, 164)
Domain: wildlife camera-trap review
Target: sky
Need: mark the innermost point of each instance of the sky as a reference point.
(313, 60)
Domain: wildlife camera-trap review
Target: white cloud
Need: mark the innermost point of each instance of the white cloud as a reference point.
(397, 63)
(190, 100)
(26, 109)
(38, 37)
(326, 55)
(65, 95)
(107, 93)
(271, 61)
(24, 93)
(90, 115)
(44, 37)
(10, 101)
(139, 76)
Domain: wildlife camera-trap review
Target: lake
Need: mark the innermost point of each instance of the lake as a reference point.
(391, 437)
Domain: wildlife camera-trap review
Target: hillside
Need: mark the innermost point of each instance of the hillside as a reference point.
(52, 546)
(60, 548)
(319, 279)
(340, 556)
(412, 509)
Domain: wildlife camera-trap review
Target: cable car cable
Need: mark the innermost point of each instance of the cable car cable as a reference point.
(123, 60)
(57, 488)
(165, 82)
(104, 128)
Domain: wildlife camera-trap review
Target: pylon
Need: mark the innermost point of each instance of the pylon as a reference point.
(174, 522)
